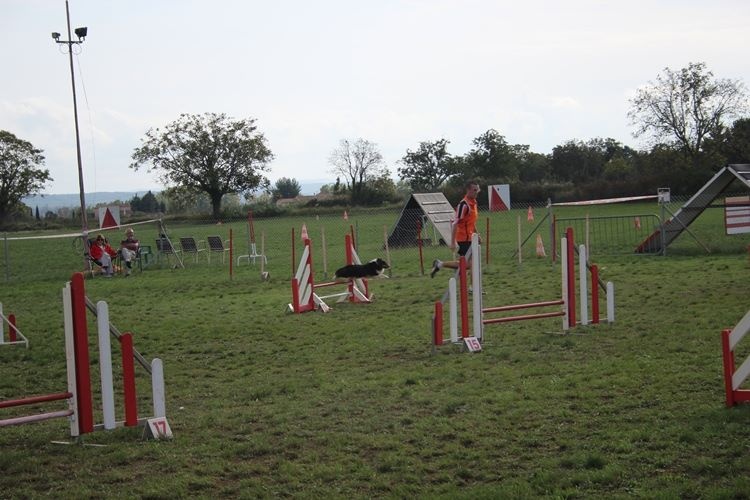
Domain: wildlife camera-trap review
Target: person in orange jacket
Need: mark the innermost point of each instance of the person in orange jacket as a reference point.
(463, 227)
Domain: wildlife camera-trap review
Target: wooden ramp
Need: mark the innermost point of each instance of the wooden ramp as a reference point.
(690, 211)
(421, 210)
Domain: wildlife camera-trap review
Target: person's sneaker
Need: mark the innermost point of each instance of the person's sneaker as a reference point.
(435, 267)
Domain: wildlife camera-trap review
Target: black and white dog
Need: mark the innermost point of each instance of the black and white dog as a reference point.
(371, 269)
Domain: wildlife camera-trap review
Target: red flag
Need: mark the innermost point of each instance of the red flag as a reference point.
(109, 220)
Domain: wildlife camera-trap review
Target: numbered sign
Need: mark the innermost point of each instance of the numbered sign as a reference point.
(472, 344)
(158, 428)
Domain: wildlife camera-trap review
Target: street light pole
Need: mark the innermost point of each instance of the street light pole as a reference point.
(81, 33)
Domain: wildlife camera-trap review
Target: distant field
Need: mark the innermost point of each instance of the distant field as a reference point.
(614, 230)
(355, 404)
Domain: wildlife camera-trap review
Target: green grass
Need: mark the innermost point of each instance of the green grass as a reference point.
(354, 403)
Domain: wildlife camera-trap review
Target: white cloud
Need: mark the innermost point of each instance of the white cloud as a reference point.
(393, 72)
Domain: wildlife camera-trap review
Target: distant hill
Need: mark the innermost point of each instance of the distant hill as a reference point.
(54, 201)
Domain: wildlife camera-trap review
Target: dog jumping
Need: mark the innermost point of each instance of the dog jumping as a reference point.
(373, 269)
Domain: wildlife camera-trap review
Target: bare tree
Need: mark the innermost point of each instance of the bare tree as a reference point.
(357, 162)
(686, 107)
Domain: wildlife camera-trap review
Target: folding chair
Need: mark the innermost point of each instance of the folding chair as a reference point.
(190, 246)
(94, 267)
(216, 245)
(164, 247)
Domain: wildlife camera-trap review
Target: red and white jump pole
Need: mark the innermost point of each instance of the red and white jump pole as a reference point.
(567, 291)
(457, 296)
(734, 377)
(15, 336)
(80, 395)
(304, 296)
(566, 302)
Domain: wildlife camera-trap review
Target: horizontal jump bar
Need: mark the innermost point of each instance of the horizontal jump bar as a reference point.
(342, 294)
(329, 283)
(521, 318)
(35, 418)
(35, 399)
(523, 306)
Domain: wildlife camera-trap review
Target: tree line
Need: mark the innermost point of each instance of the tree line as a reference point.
(693, 123)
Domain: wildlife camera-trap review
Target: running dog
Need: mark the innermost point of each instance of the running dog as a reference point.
(371, 269)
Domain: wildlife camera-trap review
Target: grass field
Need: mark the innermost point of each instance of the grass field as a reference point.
(354, 403)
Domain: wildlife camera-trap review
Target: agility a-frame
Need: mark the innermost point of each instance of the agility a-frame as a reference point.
(421, 211)
(660, 239)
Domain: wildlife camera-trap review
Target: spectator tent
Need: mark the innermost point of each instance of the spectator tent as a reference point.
(429, 211)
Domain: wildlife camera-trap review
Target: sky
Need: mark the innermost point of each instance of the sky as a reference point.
(395, 73)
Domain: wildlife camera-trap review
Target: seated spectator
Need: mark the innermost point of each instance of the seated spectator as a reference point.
(102, 254)
(129, 250)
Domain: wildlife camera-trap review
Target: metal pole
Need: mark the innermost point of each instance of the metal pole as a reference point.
(7, 259)
(84, 222)
(661, 231)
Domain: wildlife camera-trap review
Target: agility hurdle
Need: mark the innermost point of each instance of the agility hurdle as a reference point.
(566, 302)
(734, 378)
(15, 336)
(252, 249)
(80, 394)
(458, 293)
(304, 296)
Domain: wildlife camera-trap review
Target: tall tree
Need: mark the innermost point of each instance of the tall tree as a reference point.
(685, 107)
(733, 144)
(580, 161)
(149, 203)
(20, 172)
(493, 159)
(208, 153)
(357, 162)
(286, 188)
(428, 167)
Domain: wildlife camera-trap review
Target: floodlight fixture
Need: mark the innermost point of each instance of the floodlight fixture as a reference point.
(81, 34)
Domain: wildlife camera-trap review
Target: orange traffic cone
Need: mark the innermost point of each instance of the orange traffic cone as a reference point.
(346, 216)
(530, 215)
(540, 246)
(637, 222)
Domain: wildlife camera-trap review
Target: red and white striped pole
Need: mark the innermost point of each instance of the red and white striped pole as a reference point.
(728, 357)
(12, 329)
(437, 324)
(570, 265)
(594, 294)
(128, 380)
(81, 347)
(464, 291)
